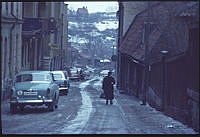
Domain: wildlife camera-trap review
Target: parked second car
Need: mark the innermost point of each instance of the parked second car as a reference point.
(62, 79)
(104, 73)
(34, 88)
(75, 74)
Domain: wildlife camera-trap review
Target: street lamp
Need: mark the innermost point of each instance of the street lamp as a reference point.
(146, 32)
(164, 54)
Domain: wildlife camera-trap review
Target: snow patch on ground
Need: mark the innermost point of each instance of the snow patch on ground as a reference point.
(77, 124)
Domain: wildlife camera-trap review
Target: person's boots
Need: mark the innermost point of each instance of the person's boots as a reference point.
(111, 102)
(106, 102)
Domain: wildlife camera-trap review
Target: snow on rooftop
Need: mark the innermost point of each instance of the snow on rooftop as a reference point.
(77, 39)
(101, 26)
(94, 33)
(110, 38)
(74, 24)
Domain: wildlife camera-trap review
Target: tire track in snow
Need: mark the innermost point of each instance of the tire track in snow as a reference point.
(76, 125)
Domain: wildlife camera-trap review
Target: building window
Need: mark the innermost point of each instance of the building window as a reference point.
(6, 8)
(22, 55)
(5, 57)
(22, 9)
(41, 7)
(17, 5)
(12, 8)
(17, 37)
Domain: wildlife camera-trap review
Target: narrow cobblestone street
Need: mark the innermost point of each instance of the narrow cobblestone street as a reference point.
(83, 112)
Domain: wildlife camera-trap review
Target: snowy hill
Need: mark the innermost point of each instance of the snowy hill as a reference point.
(96, 32)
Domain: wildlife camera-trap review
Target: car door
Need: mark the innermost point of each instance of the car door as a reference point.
(66, 77)
(54, 86)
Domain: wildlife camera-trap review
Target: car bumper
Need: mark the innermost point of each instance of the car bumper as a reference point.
(63, 88)
(27, 102)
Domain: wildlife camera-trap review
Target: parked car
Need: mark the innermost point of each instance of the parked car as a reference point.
(87, 74)
(34, 88)
(76, 74)
(62, 79)
(104, 73)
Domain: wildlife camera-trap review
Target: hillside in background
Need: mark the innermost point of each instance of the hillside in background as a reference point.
(94, 34)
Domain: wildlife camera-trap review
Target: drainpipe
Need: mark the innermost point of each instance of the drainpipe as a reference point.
(120, 31)
(11, 30)
(9, 83)
(61, 59)
(164, 54)
(10, 56)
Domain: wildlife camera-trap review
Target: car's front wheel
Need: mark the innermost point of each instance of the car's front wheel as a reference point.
(66, 92)
(13, 108)
(22, 107)
(51, 106)
(56, 105)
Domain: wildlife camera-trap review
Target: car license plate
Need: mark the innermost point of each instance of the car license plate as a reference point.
(30, 93)
(62, 85)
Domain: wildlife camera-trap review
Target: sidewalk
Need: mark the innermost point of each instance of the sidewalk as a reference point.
(143, 119)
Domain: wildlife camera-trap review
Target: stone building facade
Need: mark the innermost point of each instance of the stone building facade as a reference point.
(47, 35)
(66, 59)
(33, 37)
(11, 41)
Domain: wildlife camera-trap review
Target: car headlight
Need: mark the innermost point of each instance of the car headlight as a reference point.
(19, 92)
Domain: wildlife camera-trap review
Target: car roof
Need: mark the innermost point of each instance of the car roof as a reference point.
(58, 71)
(105, 70)
(31, 72)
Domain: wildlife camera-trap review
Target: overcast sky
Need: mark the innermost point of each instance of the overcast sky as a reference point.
(94, 6)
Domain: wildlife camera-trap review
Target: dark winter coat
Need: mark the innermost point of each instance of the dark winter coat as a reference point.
(107, 86)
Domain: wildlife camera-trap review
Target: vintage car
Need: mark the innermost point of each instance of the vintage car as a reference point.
(61, 78)
(75, 74)
(34, 88)
(104, 73)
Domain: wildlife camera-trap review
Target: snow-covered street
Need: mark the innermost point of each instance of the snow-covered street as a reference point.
(83, 112)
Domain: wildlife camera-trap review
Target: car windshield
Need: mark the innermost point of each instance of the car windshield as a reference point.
(33, 77)
(73, 71)
(57, 76)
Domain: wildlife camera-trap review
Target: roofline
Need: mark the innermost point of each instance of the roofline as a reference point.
(132, 23)
(168, 59)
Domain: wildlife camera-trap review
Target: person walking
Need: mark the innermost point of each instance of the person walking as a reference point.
(108, 88)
